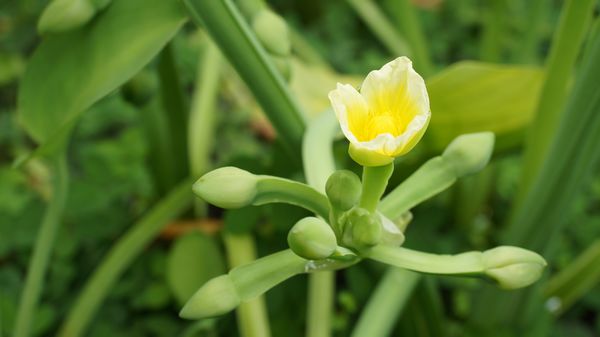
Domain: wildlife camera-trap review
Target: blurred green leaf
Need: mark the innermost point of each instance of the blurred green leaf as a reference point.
(193, 259)
(69, 72)
(474, 96)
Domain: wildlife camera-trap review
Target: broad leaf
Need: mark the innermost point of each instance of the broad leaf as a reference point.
(473, 96)
(70, 71)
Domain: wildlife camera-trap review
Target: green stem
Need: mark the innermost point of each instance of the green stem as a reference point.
(459, 264)
(318, 166)
(374, 182)
(575, 19)
(42, 250)
(231, 33)
(175, 110)
(321, 289)
(252, 314)
(406, 16)
(386, 303)
(274, 189)
(381, 27)
(202, 116)
(121, 255)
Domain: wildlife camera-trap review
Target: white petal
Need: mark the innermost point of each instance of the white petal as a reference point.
(345, 98)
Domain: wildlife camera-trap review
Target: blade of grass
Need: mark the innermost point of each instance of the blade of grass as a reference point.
(527, 50)
(42, 251)
(379, 24)
(121, 255)
(574, 21)
(494, 26)
(570, 161)
(231, 33)
(406, 16)
(570, 284)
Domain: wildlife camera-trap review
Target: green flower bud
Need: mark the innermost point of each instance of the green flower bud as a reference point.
(227, 187)
(513, 267)
(343, 189)
(312, 239)
(214, 298)
(367, 230)
(63, 15)
(272, 32)
(470, 153)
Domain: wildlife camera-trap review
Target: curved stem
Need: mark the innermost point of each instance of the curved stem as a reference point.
(121, 256)
(43, 248)
(274, 189)
(460, 264)
(318, 166)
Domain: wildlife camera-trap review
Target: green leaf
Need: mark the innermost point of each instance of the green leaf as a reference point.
(69, 72)
(234, 37)
(193, 259)
(473, 96)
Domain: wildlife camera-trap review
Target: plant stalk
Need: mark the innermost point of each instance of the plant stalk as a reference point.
(121, 255)
(42, 251)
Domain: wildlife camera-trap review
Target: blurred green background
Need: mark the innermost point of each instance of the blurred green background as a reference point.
(118, 170)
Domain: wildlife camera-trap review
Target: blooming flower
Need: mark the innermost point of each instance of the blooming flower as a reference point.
(389, 115)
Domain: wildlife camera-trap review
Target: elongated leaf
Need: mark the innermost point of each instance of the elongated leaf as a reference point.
(69, 72)
(231, 33)
(473, 96)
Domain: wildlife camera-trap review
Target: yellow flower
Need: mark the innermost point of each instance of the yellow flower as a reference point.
(389, 115)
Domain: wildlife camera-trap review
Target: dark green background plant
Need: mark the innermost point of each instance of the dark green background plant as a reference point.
(122, 100)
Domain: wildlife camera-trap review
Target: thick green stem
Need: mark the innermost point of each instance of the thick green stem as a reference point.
(252, 314)
(273, 189)
(42, 250)
(374, 182)
(386, 303)
(381, 27)
(575, 19)
(318, 166)
(321, 289)
(121, 256)
(202, 115)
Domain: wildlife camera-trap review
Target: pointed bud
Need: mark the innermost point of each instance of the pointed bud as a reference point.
(272, 32)
(214, 298)
(227, 187)
(312, 238)
(513, 267)
(343, 189)
(470, 153)
(63, 15)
